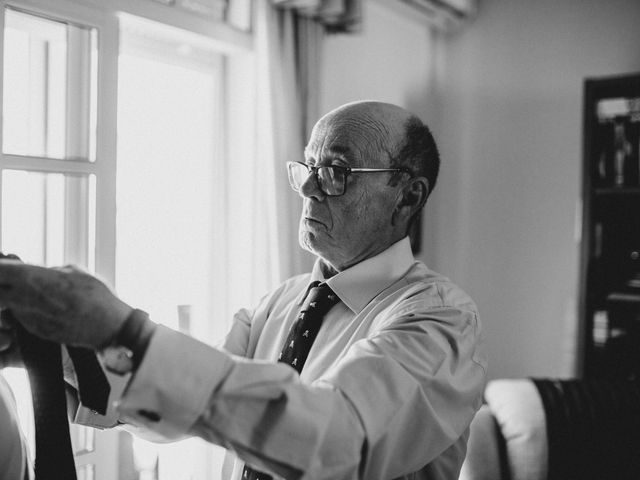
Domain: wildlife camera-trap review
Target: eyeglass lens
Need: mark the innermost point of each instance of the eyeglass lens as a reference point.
(330, 180)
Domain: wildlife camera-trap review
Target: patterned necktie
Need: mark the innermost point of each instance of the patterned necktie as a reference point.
(43, 361)
(320, 299)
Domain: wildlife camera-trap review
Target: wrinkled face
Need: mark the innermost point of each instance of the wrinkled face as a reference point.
(347, 229)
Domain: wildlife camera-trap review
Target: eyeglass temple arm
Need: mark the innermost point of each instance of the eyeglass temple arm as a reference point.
(380, 170)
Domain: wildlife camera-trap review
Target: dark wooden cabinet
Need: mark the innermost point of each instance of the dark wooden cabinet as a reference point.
(610, 253)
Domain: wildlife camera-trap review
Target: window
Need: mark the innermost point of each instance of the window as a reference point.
(63, 63)
(48, 163)
(169, 105)
(49, 76)
(49, 111)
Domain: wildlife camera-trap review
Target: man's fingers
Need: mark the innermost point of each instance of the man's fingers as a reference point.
(11, 298)
(12, 293)
(25, 286)
(12, 271)
(56, 329)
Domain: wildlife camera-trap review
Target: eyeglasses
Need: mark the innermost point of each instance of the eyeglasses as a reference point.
(331, 179)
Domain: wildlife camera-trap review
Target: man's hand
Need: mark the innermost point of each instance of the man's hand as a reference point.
(65, 305)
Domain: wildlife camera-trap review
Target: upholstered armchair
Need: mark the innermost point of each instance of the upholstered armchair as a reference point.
(545, 429)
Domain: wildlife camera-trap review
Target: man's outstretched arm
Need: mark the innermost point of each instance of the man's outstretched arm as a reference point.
(395, 401)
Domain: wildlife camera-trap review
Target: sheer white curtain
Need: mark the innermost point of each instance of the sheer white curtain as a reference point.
(287, 50)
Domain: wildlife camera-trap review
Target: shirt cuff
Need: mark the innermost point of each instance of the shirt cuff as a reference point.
(173, 384)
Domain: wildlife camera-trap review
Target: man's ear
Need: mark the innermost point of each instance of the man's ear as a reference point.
(411, 199)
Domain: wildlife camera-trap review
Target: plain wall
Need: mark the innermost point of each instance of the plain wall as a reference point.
(510, 133)
(389, 59)
(504, 98)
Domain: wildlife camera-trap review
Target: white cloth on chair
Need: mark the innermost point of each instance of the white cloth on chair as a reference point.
(13, 450)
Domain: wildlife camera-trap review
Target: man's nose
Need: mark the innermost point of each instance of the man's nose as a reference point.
(310, 188)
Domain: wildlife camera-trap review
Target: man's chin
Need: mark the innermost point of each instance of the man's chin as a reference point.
(310, 242)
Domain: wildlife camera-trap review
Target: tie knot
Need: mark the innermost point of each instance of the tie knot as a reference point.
(320, 298)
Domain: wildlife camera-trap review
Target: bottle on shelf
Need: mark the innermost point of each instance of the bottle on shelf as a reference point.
(621, 154)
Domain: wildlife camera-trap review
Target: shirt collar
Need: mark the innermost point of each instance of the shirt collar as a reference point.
(358, 285)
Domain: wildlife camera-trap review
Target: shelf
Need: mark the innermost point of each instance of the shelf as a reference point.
(624, 297)
(615, 191)
(610, 255)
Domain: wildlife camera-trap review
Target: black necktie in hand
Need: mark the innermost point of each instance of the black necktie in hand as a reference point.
(303, 332)
(93, 386)
(43, 361)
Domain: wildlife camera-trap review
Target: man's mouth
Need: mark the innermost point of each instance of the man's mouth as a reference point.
(310, 220)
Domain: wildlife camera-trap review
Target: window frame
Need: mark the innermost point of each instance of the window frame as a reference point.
(105, 152)
(237, 48)
(104, 455)
(235, 44)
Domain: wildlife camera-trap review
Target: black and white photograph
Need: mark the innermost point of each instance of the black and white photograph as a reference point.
(319, 240)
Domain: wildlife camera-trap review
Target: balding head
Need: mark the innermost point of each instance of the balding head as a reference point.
(376, 207)
(391, 131)
(380, 125)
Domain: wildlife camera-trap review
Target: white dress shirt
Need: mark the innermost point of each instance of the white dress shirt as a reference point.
(390, 386)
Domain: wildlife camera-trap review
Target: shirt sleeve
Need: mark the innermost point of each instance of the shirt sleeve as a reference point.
(247, 324)
(237, 339)
(393, 403)
(415, 385)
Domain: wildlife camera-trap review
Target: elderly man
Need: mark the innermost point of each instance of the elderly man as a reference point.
(369, 367)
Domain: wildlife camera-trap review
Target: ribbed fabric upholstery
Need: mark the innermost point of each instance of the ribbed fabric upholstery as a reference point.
(593, 428)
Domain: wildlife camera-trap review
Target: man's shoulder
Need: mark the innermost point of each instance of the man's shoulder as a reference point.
(429, 289)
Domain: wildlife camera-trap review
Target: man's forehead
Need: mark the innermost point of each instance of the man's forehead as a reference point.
(347, 140)
(318, 148)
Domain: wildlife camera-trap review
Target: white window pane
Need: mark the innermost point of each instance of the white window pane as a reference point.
(164, 186)
(54, 215)
(165, 215)
(91, 224)
(86, 472)
(82, 439)
(23, 216)
(50, 78)
(47, 218)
